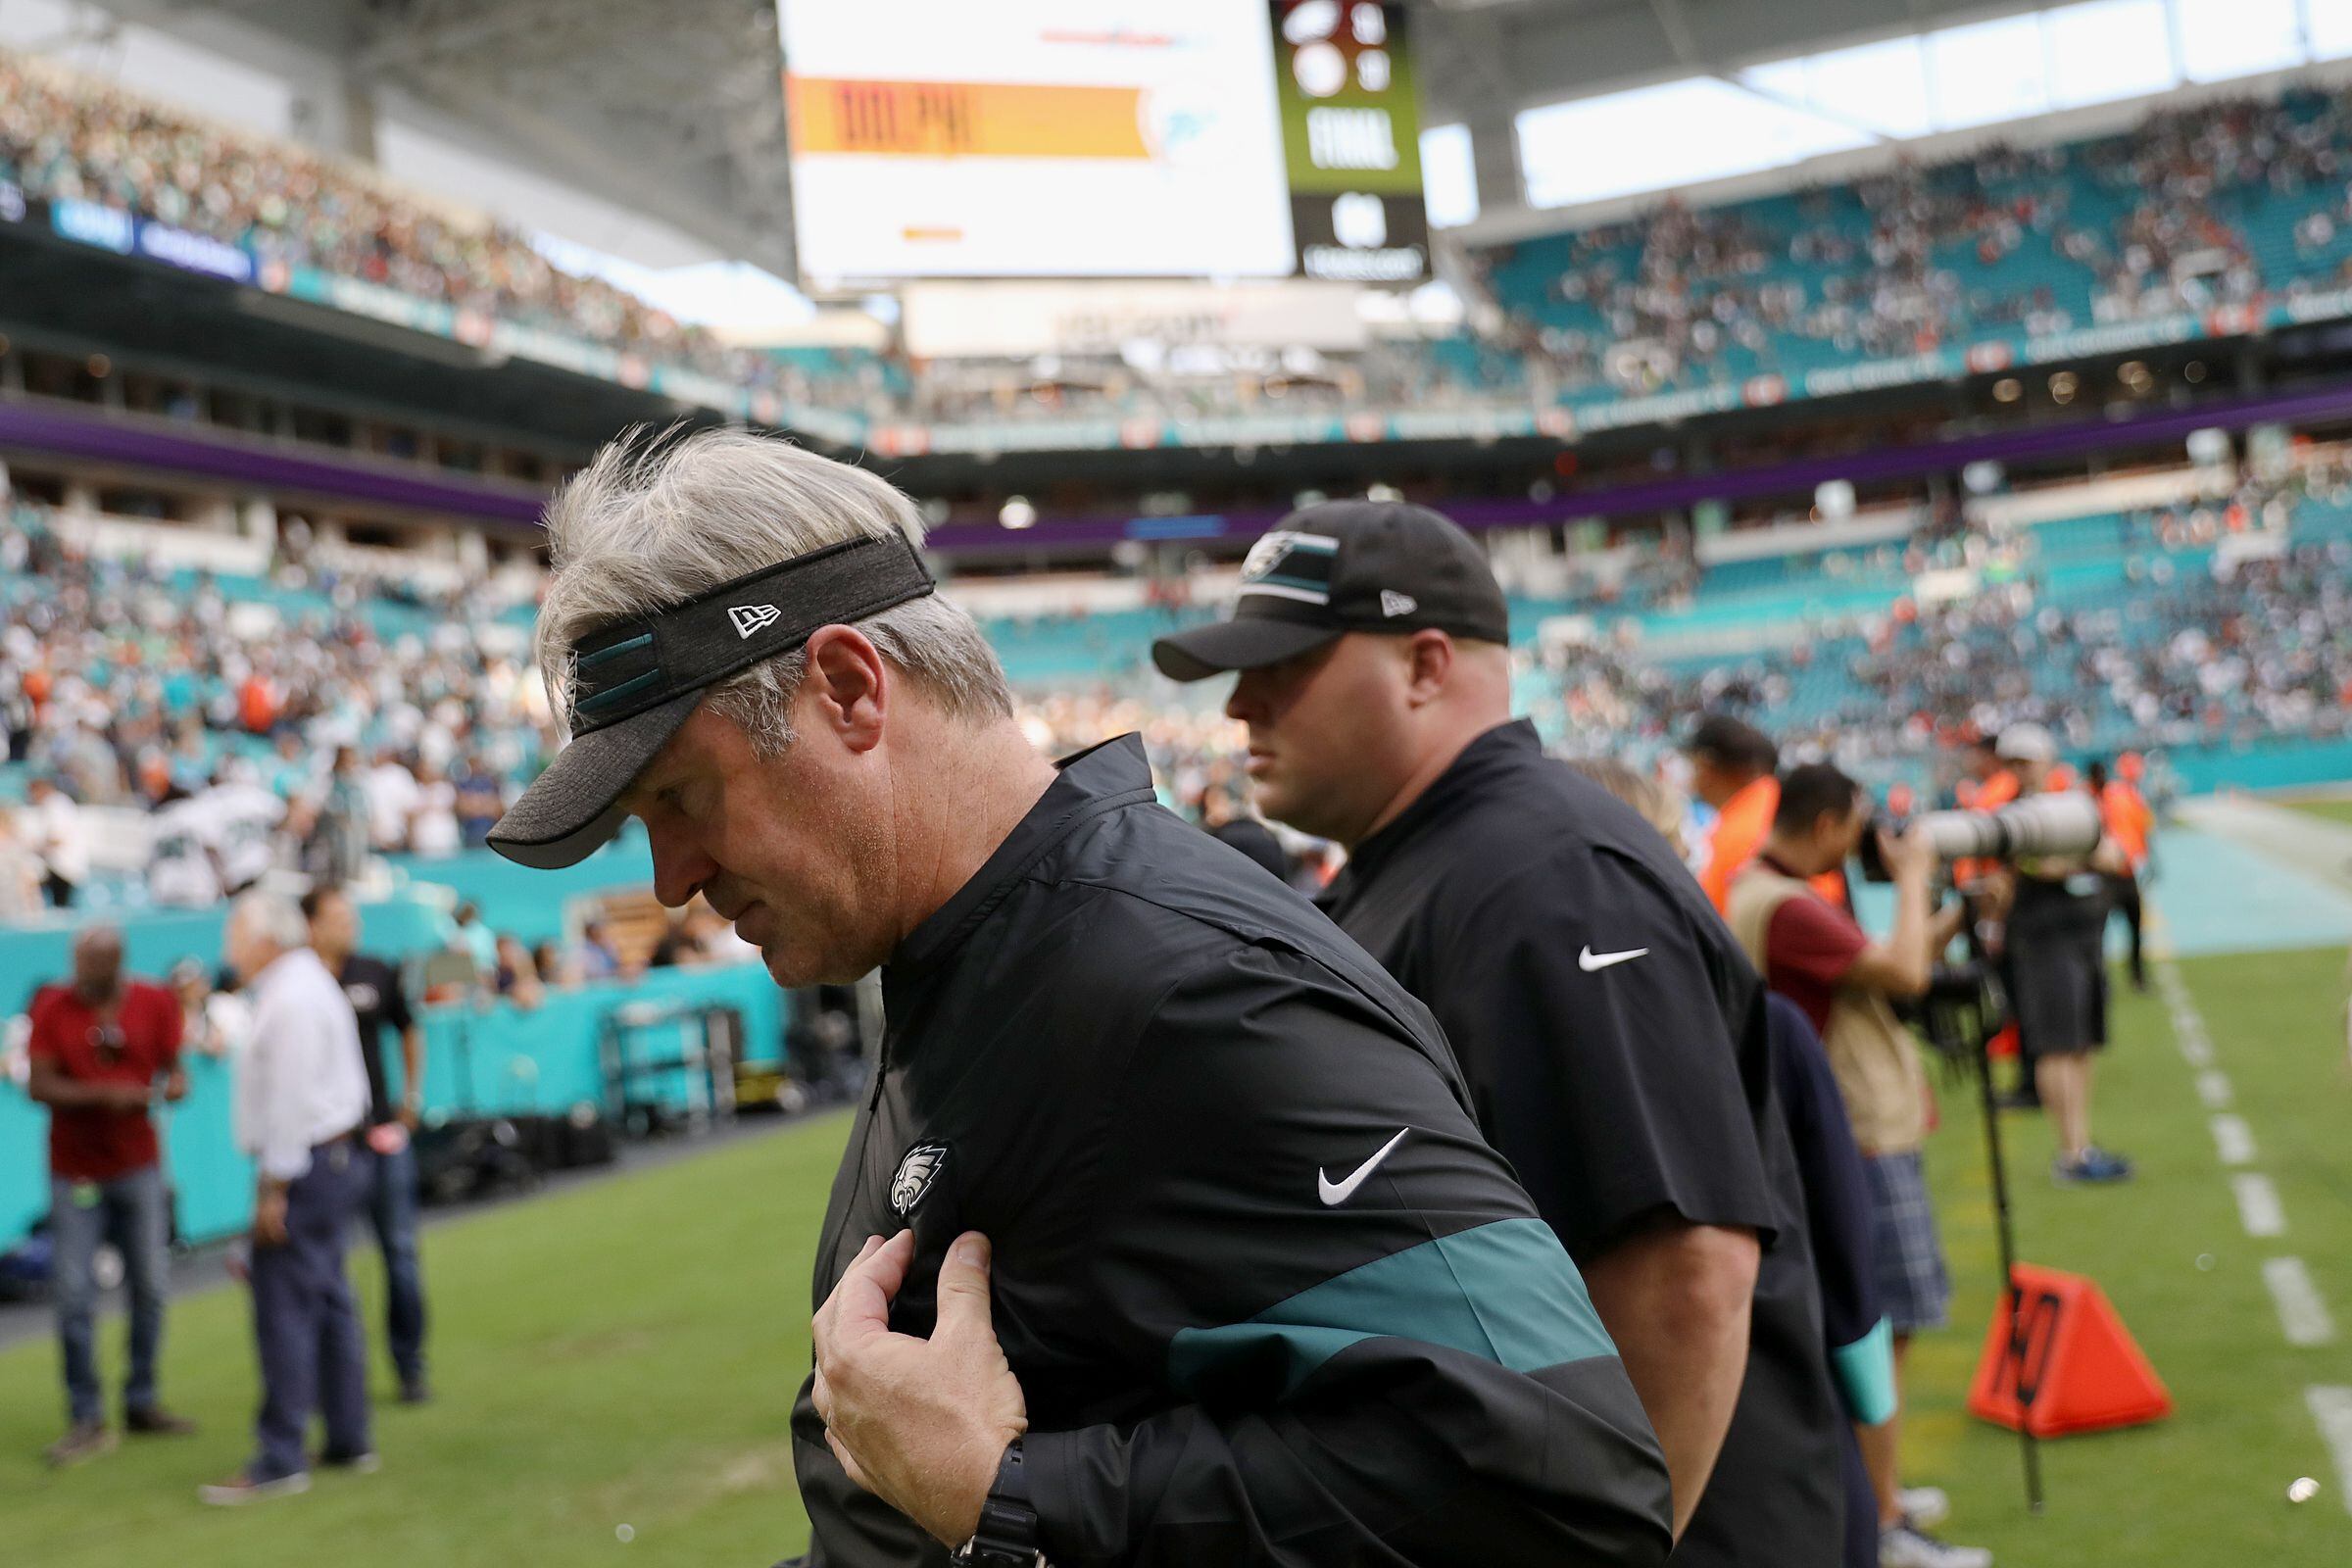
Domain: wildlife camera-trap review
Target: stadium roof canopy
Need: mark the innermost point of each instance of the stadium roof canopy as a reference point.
(673, 108)
(670, 108)
(1489, 59)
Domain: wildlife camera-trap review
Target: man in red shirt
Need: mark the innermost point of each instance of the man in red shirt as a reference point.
(98, 1047)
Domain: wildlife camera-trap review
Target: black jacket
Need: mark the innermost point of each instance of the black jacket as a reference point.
(1614, 1039)
(1270, 1295)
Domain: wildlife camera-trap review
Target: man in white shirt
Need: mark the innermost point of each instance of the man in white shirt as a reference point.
(181, 871)
(391, 798)
(244, 817)
(434, 820)
(59, 837)
(300, 1100)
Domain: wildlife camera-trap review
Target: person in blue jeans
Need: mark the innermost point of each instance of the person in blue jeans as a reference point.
(379, 1004)
(102, 1048)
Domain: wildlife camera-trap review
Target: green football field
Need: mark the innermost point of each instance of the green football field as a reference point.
(625, 1354)
(2334, 811)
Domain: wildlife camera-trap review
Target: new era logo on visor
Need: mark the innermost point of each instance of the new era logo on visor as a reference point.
(749, 619)
(1393, 603)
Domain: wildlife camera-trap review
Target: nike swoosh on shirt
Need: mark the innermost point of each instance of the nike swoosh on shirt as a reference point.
(1589, 960)
(1336, 1193)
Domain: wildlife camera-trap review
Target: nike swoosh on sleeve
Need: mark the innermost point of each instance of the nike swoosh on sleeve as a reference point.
(1589, 960)
(1333, 1193)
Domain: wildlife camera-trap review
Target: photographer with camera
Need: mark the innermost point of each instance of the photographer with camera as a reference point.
(2051, 910)
(1813, 953)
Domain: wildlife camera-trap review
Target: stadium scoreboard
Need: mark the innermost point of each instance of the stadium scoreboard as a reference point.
(1102, 139)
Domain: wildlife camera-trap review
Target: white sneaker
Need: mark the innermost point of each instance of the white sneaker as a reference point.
(1905, 1547)
(1923, 1507)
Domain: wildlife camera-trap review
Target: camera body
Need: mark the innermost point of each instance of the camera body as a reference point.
(2063, 824)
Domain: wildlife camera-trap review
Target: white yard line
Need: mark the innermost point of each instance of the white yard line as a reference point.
(2233, 1140)
(2302, 1315)
(2258, 1204)
(2332, 1408)
(2213, 1088)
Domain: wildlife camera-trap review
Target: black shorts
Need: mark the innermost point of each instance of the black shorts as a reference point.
(2058, 970)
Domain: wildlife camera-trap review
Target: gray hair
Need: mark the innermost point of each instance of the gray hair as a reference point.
(271, 916)
(655, 519)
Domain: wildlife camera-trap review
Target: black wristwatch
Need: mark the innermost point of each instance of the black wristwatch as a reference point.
(1007, 1533)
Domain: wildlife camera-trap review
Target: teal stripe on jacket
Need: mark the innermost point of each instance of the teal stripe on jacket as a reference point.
(1504, 1291)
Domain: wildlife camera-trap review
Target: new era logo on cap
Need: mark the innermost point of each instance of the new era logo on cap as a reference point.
(749, 619)
(1393, 603)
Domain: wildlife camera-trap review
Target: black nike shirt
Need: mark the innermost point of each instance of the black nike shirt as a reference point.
(378, 1002)
(1614, 1039)
(1270, 1295)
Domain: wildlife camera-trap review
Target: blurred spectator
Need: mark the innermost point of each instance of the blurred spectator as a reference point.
(20, 873)
(301, 1102)
(56, 834)
(479, 802)
(518, 973)
(184, 865)
(433, 818)
(380, 1004)
(243, 820)
(213, 1023)
(548, 964)
(98, 1047)
(392, 801)
(334, 822)
(475, 939)
(598, 959)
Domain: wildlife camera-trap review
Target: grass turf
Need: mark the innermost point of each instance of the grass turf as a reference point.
(626, 1353)
(2334, 811)
(622, 1353)
(2208, 1485)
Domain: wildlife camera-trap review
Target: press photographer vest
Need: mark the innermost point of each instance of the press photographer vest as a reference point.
(1874, 1058)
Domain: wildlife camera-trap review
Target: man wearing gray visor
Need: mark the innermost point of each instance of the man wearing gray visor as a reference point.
(1167, 1235)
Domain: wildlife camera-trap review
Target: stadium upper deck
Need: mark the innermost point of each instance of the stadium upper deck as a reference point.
(2212, 221)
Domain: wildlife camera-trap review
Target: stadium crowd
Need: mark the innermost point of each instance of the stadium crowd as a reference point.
(2165, 218)
(2171, 216)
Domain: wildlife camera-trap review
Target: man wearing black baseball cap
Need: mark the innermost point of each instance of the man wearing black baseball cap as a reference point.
(1166, 1234)
(1342, 566)
(1612, 1031)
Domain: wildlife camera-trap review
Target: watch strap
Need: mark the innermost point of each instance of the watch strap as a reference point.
(1008, 1535)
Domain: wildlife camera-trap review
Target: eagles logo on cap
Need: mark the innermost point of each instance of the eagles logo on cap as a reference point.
(917, 1171)
(1291, 565)
(1336, 566)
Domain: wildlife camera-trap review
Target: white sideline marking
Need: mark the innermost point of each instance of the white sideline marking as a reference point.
(2235, 1140)
(2196, 1049)
(2332, 1408)
(2213, 1088)
(2258, 1204)
(2301, 1313)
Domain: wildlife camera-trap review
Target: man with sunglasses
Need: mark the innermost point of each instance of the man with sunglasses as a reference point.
(102, 1048)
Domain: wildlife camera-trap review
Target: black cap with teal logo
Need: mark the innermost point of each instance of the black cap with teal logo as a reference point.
(1339, 567)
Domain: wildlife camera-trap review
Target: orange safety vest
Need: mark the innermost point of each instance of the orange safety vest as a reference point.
(1740, 829)
(2127, 818)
